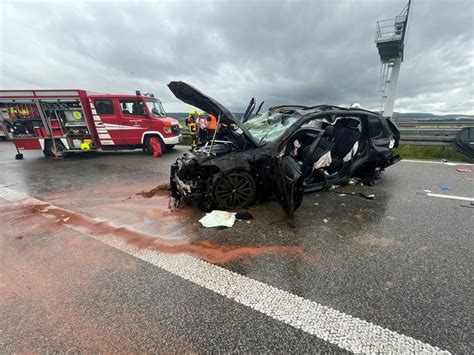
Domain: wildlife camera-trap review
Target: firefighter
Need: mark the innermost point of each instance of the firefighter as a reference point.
(191, 124)
(202, 127)
(211, 126)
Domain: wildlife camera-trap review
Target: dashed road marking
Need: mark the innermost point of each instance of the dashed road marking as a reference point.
(328, 324)
(451, 197)
(435, 162)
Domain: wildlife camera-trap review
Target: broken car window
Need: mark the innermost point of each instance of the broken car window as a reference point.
(270, 125)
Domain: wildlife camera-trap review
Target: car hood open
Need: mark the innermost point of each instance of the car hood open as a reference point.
(194, 97)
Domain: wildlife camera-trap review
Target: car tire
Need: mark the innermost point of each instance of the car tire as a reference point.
(49, 148)
(148, 149)
(233, 190)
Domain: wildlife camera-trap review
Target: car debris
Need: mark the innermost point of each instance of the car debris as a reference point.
(445, 188)
(464, 170)
(218, 218)
(284, 152)
(243, 216)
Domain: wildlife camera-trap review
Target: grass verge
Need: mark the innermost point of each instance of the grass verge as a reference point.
(429, 153)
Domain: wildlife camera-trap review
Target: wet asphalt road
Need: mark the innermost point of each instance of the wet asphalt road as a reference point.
(402, 261)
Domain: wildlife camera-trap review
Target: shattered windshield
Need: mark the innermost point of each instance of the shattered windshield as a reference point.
(270, 125)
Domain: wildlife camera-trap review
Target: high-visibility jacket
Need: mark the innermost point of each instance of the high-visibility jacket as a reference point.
(212, 125)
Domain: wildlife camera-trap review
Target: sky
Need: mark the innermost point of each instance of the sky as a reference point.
(283, 52)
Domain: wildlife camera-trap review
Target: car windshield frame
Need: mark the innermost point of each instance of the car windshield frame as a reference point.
(270, 125)
(155, 104)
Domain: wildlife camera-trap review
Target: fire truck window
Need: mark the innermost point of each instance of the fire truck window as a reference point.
(132, 107)
(104, 107)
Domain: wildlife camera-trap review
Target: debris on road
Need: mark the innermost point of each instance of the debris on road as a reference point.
(243, 216)
(218, 218)
(464, 170)
(325, 220)
(445, 188)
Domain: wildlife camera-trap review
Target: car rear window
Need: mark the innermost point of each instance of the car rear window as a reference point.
(375, 127)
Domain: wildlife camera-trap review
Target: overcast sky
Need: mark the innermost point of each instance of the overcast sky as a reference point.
(283, 52)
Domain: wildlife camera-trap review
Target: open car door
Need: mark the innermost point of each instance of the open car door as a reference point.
(464, 142)
(289, 178)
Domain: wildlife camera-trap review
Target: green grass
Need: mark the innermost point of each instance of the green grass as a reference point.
(429, 153)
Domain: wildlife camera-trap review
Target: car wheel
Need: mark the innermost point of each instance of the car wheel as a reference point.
(148, 149)
(236, 189)
(54, 150)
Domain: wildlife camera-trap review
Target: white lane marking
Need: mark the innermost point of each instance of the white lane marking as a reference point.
(328, 324)
(452, 197)
(435, 162)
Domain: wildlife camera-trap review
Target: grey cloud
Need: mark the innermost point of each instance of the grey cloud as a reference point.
(306, 52)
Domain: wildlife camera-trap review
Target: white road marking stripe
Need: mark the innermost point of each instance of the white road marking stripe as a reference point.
(335, 327)
(435, 162)
(452, 197)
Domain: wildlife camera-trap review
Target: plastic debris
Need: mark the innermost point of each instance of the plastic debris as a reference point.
(427, 191)
(218, 218)
(352, 182)
(464, 170)
(243, 216)
(444, 160)
(325, 220)
(316, 204)
(342, 194)
(445, 188)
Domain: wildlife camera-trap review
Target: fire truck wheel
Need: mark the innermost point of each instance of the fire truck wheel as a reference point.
(50, 151)
(169, 147)
(148, 149)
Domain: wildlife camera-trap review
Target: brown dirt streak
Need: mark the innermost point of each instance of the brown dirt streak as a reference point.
(207, 250)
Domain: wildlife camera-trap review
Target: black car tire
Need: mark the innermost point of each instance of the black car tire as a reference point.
(148, 149)
(49, 148)
(236, 189)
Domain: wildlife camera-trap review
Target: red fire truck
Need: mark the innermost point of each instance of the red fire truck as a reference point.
(61, 121)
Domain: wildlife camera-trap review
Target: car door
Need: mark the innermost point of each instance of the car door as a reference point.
(378, 136)
(134, 120)
(289, 178)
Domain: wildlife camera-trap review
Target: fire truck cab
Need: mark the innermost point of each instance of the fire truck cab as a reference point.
(61, 121)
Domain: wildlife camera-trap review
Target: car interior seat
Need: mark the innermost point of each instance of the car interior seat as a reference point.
(347, 134)
(310, 154)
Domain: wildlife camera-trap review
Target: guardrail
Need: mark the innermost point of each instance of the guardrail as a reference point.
(431, 133)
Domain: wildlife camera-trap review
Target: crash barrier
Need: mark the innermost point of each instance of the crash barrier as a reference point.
(432, 133)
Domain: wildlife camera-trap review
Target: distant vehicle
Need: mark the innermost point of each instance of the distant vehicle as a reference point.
(464, 143)
(61, 121)
(287, 150)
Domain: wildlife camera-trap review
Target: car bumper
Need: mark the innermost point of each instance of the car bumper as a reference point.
(173, 140)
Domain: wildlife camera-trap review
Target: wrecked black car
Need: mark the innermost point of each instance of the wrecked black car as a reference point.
(285, 151)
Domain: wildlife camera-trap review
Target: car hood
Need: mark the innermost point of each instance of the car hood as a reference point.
(194, 97)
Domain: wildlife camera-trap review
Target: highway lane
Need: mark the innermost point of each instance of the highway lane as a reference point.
(401, 261)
